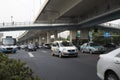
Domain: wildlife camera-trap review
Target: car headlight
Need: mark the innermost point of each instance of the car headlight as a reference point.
(3, 48)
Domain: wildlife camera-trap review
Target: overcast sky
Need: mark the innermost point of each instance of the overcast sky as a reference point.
(18, 11)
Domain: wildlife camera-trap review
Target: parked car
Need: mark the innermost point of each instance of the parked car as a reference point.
(31, 47)
(40, 46)
(110, 45)
(92, 48)
(23, 47)
(47, 46)
(108, 65)
(64, 48)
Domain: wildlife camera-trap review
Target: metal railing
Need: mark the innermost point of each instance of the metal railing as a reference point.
(27, 24)
(18, 24)
(8, 24)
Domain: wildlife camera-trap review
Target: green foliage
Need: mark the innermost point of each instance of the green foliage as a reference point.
(11, 69)
(99, 38)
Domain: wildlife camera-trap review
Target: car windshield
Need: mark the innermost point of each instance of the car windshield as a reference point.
(66, 44)
(47, 44)
(8, 41)
(93, 44)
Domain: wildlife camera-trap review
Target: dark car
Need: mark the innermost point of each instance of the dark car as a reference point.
(110, 45)
(47, 46)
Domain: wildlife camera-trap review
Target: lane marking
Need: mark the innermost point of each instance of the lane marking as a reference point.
(30, 54)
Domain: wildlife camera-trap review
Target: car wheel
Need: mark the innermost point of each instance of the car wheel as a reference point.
(52, 54)
(60, 55)
(91, 52)
(82, 51)
(111, 76)
(76, 55)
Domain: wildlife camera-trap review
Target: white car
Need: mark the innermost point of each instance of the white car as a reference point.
(64, 48)
(108, 66)
(92, 48)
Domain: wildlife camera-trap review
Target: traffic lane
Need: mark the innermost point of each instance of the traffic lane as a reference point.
(49, 67)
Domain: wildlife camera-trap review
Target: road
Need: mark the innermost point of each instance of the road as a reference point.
(49, 67)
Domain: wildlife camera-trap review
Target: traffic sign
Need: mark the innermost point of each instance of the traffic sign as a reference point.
(78, 33)
(107, 35)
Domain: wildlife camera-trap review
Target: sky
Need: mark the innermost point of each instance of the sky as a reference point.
(18, 11)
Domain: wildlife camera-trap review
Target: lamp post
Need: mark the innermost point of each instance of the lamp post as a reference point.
(12, 22)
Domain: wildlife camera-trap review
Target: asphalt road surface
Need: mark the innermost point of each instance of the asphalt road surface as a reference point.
(49, 67)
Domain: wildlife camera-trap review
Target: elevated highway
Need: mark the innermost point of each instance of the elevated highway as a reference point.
(65, 26)
(34, 30)
(82, 14)
(44, 31)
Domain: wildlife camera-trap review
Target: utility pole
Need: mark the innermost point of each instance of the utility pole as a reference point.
(12, 22)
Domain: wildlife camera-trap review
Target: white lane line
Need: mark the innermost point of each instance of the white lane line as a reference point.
(30, 54)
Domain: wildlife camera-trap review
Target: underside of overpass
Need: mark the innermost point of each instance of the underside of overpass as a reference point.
(79, 13)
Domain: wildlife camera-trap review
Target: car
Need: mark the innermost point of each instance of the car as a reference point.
(23, 47)
(47, 46)
(92, 48)
(108, 65)
(110, 45)
(8, 49)
(64, 48)
(31, 47)
(40, 46)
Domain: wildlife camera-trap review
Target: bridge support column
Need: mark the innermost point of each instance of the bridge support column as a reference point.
(33, 41)
(40, 40)
(73, 34)
(43, 39)
(84, 34)
(36, 42)
(55, 35)
(48, 37)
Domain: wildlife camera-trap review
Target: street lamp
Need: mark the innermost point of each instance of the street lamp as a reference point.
(12, 22)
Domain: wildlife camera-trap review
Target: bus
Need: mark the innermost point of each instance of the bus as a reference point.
(8, 45)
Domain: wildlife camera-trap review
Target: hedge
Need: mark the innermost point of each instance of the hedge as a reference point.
(11, 69)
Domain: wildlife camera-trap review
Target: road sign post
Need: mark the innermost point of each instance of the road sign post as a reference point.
(90, 36)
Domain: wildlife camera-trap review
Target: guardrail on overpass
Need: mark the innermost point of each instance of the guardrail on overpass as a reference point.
(30, 26)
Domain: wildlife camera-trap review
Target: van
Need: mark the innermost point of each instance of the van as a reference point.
(64, 48)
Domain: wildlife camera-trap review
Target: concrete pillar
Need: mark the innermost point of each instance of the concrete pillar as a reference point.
(48, 37)
(40, 40)
(55, 36)
(36, 42)
(43, 39)
(32, 41)
(84, 34)
(73, 34)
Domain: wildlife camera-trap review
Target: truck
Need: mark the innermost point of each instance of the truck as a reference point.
(8, 45)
